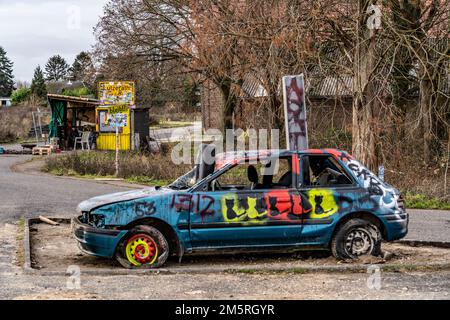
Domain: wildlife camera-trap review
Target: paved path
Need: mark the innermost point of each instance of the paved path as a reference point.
(429, 225)
(28, 195)
(176, 134)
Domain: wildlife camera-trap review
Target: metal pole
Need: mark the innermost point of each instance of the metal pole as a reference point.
(35, 129)
(117, 150)
(40, 125)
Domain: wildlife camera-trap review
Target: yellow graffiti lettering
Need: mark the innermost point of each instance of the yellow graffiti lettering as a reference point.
(251, 211)
(233, 211)
(323, 203)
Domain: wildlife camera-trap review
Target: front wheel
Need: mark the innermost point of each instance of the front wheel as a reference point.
(356, 238)
(143, 247)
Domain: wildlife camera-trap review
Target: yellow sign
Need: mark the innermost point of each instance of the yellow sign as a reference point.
(116, 93)
(122, 108)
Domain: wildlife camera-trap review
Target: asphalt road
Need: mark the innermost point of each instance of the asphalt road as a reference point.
(28, 195)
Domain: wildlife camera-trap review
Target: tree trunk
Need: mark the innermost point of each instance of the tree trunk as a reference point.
(425, 101)
(364, 128)
(229, 105)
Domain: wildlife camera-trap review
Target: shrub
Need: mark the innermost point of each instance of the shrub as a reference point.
(422, 201)
(77, 92)
(20, 95)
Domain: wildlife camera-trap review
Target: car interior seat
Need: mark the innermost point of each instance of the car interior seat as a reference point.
(252, 175)
(286, 180)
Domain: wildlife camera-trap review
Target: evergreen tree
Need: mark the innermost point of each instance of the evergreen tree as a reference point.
(38, 87)
(6, 75)
(81, 66)
(56, 68)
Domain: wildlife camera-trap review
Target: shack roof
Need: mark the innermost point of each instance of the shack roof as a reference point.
(86, 102)
(82, 100)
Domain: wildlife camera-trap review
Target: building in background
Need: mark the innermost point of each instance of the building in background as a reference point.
(5, 102)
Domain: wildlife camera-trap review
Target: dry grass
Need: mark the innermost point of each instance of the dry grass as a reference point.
(141, 167)
(15, 122)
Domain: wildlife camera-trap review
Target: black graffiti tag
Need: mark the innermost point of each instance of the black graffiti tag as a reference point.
(145, 208)
(374, 185)
(205, 207)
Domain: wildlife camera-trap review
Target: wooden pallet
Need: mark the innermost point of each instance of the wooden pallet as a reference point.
(42, 151)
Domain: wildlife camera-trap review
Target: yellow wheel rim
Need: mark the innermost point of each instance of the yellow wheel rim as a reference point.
(141, 249)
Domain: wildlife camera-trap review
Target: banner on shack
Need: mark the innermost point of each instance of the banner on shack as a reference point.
(295, 112)
(116, 93)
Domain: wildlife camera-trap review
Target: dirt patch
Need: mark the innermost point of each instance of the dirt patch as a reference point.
(53, 248)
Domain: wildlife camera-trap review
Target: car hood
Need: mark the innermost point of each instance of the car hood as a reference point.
(99, 201)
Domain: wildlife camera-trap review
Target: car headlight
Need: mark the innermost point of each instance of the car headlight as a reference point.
(94, 220)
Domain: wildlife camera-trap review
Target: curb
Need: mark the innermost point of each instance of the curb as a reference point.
(353, 268)
(420, 243)
(27, 246)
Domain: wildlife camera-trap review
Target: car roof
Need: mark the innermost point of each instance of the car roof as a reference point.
(239, 156)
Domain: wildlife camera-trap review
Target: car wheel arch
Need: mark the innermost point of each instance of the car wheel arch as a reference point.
(169, 233)
(361, 215)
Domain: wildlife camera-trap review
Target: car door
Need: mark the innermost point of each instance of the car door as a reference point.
(326, 199)
(269, 215)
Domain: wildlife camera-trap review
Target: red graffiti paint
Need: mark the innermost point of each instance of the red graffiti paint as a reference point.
(182, 202)
(295, 164)
(283, 205)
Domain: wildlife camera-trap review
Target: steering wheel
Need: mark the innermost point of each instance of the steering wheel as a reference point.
(333, 172)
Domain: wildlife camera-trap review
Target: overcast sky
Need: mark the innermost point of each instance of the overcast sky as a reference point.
(33, 30)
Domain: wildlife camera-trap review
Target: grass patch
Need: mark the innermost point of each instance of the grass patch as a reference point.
(422, 201)
(248, 271)
(298, 270)
(134, 167)
(148, 181)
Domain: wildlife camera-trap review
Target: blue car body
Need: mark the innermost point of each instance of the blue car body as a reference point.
(197, 219)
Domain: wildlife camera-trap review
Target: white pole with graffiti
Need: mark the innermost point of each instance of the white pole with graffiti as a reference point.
(295, 112)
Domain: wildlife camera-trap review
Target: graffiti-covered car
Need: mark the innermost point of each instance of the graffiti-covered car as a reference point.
(277, 199)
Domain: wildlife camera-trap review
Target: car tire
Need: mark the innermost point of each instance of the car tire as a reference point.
(356, 238)
(143, 247)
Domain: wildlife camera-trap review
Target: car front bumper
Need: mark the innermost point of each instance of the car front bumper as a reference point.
(96, 241)
(397, 225)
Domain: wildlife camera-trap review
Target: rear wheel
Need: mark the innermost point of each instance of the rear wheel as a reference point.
(356, 238)
(144, 247)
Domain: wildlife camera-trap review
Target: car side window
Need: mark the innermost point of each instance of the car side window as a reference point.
(271, 173)
(323, 171)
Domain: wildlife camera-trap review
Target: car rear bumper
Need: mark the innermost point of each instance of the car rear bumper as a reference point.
(95, 241)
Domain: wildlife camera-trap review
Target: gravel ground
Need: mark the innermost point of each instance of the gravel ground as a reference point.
(14, 284)
(53, 248)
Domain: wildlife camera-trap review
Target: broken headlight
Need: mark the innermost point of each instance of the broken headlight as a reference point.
(94, 220)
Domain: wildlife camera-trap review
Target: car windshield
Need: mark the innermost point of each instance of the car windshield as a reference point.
(186, 181)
